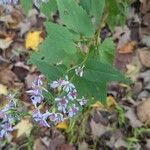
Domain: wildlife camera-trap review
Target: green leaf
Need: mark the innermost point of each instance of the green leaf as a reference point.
(106, 51)
(95, 9)
(49, 7)
(26, 6)
(117, 12)
(61, 36)
(97, 71)
(57, 47)
(75, 18)
(96, 90)
(86, 4)
(50, 71)
(95, 79)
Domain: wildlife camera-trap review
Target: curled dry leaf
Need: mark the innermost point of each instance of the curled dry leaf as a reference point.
(110, 104)
(98, 105)
(128, 47)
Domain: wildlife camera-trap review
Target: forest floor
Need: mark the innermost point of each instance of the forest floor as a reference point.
(123, 124)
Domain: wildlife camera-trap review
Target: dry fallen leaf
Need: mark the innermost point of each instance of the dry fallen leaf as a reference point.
(97, 129)
(127, 47)
(135, 122)
(144, 56)
(3, 89)
(132, 71)
(33, 39)
(5, 43)
(110, 103)
(98, 105)
(24, 127)
(143, 111)
(62, 125)
(83, 146)
(38, 145)
(7, 77)
(3, 101)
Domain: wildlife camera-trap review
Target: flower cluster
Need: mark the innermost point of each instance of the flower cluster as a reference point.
(79, 71)
(38, 3)
(36, 92)
(7, 119)
(66, 102)
(9, 2)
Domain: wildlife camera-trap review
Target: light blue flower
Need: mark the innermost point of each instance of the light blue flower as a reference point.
(72, 94)
(38, 82)
(79, 71)
(5, 129)
(36, 99)
(82, 101)
(35, 92)
(72, 111)
(62, 104)
(68, 87)
(60, 118)
(58, 84)
(53, 117)
(40, 118)
(38, 3)
(10, 2)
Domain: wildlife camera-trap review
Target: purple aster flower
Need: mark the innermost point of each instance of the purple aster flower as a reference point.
(35, 92)
(3, 115)
(82, 101)
(37, 82)
(65, 84)
(40, 118)
(72, 94)
(10, 2)
(58, 84)
(62, 104)
(79, 71)
(72, 111)
(60, 118)
(68, 87)
(5, 129)
(36, 99)
(38, 3)
(9, 106)
(53, 117)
